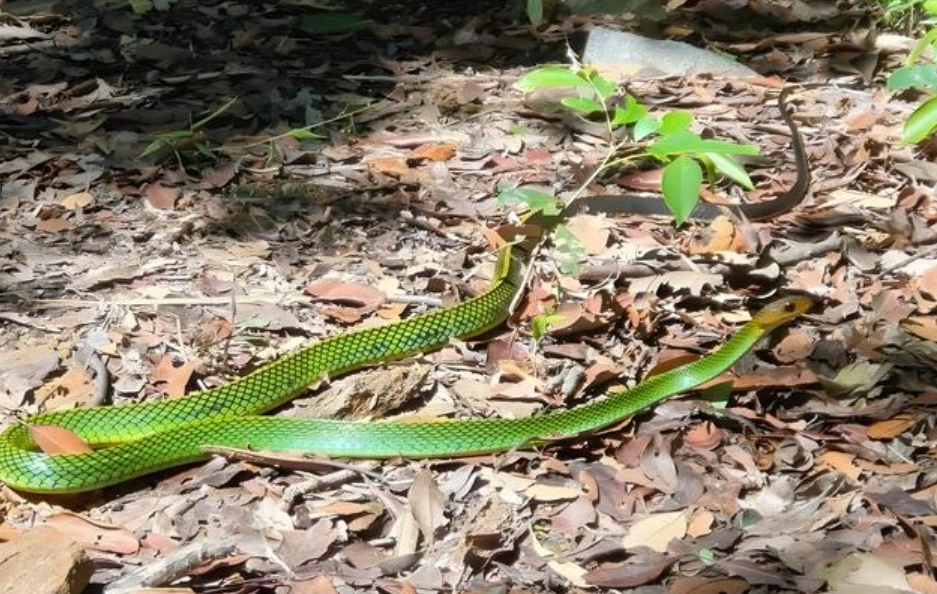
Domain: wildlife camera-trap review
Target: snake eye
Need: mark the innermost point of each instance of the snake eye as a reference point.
(790, 307)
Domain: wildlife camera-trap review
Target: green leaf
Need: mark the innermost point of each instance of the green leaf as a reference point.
(675, 121)
(551, 76)
(604, 87)
(533, 199)
(645, 127)
(682, 143)
(921, 123)
(535, 11)
(582, 105)
(154, 147)
(304, 134)
(707, 556)
(728, 166)
(918, 76)
(681, 184)
(570, 248)
(542, 323)
(930, 7)
(632, 112)
(518, 130)
(324, 23)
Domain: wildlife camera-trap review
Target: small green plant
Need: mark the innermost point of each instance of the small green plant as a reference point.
(668, 139)
(918, 74)
(567, 246)
(192, 138)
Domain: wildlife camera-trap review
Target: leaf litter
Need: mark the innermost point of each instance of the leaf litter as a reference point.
(812, 472)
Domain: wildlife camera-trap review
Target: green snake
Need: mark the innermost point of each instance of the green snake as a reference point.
(135, 440)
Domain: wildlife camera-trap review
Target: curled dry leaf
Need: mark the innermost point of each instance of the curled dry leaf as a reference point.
(704, 436)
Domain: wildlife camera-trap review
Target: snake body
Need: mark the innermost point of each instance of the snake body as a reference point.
(139, 439)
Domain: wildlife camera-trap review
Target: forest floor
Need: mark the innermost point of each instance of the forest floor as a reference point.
(235, 242)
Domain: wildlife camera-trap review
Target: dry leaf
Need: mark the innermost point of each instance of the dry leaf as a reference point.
(701, 523)
(656, 531)
(55, 440)
(541, 492)
(394, 166)
(72, 388)
(175, 376)
(922, 326)
(893, 427)
(592, 231)
(76, 201)
(95, 535)
(842, 463)
(161, 197)
(433, 152)
(355, 294)
(427, 503)
(53, 225)
(704, 436)
(629, 575)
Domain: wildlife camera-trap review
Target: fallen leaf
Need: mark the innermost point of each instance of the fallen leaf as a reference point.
(656, 531)
(299, 547)
(922, 326)
(433, 152)
(427, 503)
(394, 166)
(95, 535)
(160, 197)
(701, 523)
(53, 225)
(698, 584)
(704, 436)
(592, 231)
(76, 201)
(922, 583)
(71, 389)
(720, 236)
(365, 298)
(864, 572)
(893, 427)
(176, 377)
(574, 573)
(55, 440)
(842, 463)
(541, 492)
(629, 575)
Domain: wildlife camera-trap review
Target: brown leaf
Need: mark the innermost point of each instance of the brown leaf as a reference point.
(629, 575)
(302, 546)
(393, 166)
(175, 376)
(53, 225)
(842, 463)
(71, 389)
(160, 197)
(95, 535)
(355, 294)
(698, 584)
(704, 436)
(574, 517)
(893, 427)
(923, 326)
(670, 360)
(321, 584)
(720, 236)
(442, 151)
(55, 440)
(428, 504)
(921, 583)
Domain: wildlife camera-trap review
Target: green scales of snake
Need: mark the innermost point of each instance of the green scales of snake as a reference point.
(140, 439)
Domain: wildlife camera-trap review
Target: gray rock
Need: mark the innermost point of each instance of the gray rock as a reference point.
(621, 55)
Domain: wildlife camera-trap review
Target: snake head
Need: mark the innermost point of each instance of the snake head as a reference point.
(782, 311)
